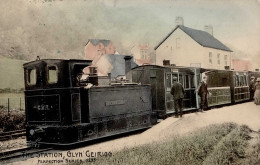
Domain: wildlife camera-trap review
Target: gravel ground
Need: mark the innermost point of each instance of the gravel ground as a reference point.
(246, 113)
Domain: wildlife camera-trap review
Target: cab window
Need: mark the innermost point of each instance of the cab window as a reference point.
(52, 74)
(31, 76)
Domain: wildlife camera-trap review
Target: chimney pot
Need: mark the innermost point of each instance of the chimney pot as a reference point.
(179, 21)
(209, 29)
(166, 62)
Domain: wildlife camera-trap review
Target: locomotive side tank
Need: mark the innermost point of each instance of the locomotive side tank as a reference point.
(61, 110)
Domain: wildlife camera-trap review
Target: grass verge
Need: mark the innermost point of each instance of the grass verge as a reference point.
(215, 144)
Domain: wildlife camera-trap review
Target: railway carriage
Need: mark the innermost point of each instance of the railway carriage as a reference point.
(61, 110)
(160, 78)
(219, 87)
(239, 86)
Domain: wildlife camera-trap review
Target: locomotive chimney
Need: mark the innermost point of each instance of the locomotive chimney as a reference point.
(92, 70)
(209, 29)
(127, 63)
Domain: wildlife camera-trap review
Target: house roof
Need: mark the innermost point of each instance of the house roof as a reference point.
(143, 61)
(96, 41)
(201, 37)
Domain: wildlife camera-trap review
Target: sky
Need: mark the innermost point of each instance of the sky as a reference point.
(51, 26)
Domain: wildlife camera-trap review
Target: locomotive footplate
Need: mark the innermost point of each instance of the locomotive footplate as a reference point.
(73, 134)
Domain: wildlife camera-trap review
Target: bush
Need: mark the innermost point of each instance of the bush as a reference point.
(14, 121)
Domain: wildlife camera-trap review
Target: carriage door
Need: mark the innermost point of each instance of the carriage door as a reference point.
(187, 80)
(168, 96)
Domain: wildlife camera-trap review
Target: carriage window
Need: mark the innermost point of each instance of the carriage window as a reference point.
(52, 74)
(246, 82)
(192, 81)
(174, 75)
(241, 81)
(198, 79)
(236, 80)
(31, 76)
(181, 79)
(168, 82)
(186, 83)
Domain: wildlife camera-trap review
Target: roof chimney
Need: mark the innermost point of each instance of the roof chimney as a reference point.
(179, 21)
(166, 62)
(209, 29)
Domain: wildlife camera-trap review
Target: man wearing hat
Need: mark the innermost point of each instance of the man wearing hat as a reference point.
(203, 93)
(178, 94)
(252, 87)
(257, 91)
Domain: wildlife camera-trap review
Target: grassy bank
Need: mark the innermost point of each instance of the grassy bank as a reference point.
(216, 144)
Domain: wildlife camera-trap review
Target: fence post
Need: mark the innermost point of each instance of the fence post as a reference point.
(8, 107)
(20, 103)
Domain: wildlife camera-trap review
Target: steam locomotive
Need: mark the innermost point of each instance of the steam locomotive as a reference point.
(61, 109)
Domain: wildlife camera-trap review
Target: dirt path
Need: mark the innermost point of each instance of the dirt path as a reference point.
(246, 113)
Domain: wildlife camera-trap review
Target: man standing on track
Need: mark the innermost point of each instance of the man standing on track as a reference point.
(178, 94)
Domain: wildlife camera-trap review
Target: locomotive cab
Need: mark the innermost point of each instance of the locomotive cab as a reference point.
(52, 95)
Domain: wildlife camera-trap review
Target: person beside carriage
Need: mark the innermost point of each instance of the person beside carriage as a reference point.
(203, 93)
(252, 87)
(257, 92)
(177, 91)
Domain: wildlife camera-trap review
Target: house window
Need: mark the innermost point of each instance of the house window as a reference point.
(143, 54)
(218, 59)
(178, 44)
(225, 60)
(210, 58)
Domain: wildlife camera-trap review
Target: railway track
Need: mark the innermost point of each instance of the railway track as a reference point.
(12, 134)
(21, 152)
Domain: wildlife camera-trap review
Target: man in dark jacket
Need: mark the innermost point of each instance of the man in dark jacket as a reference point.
(178, 94)
(252, 88)
(203, 93)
